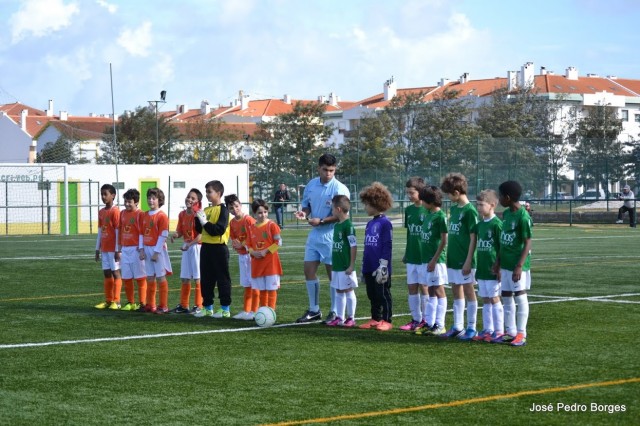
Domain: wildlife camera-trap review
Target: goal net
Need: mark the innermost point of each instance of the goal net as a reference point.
(33, 199)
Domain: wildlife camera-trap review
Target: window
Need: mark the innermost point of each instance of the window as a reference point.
(625, 115)
(178, 184)
(637, 118)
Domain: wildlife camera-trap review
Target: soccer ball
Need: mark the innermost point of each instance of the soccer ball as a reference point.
(265, 317)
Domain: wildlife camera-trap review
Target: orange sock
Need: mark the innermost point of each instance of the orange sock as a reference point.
(108, 289)
(272, 296)
(117, 289)
(151, 293)
(129, 290)
(198, 295)
(142, 290)
(255, 299)
(247, 299)
(264, 298)
(185, 292)
(164, 293)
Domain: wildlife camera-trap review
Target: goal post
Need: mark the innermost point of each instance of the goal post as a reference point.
(34, 199)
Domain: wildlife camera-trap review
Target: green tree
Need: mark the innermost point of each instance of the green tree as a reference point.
(136, 140)
(208, 141)
(63, 150)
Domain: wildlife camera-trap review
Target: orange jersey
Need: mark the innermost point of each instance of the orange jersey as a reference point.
(108, 222)
(260, 237)
(152, 227)
(130, 227)
(186, 226)
(239, 229)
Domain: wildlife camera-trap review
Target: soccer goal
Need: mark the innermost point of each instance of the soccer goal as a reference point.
(33, 199)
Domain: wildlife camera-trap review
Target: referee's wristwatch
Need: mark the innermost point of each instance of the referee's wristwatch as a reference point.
(321, 221)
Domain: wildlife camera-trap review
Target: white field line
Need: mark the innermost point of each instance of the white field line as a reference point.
(246, 329)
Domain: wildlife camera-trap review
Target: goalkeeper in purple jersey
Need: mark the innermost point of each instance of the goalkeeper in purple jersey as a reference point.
(376, 260)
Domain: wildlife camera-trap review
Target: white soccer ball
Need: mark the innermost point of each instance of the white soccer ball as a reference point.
(265, 317)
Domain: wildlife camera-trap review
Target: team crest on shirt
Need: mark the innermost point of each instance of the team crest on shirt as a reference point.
(264, 234)
(132, 221)
(421, 217)
(513, 225)
(429, 226)
(460, 217)
(489, 234)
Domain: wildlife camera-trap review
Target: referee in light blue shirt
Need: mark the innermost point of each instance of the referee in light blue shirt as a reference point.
(316, 209)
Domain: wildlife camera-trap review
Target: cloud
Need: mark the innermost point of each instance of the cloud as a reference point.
(40, 17)
(112, 8)
(137, 41)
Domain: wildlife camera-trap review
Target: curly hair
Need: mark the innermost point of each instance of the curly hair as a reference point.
(454, 182)
(431, 195)
(377, 196)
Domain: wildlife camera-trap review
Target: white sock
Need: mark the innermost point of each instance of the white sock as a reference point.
(424, 305)
(441, 311)
(458, 314)
(522, 315)
(333, 299)
(341, 302)
(498, 317)
(509, 315)
(472, 314)
(430, 316)
(414, 307)
(313, 291)
(351, 304)
(487, 317)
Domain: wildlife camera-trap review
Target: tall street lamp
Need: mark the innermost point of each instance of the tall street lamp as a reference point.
(163, 95)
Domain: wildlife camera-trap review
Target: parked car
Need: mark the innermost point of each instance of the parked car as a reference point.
(559, 196)
(591, 194)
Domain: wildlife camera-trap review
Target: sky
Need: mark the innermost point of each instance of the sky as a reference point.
(210, 49)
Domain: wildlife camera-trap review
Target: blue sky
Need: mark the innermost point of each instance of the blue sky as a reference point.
(211, 49)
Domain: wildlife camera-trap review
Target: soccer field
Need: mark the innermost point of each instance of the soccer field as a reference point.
(64, 362)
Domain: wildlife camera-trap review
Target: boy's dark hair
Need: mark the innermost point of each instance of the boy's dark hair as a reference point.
(454, 182)
(257, 203)
(132, 194)
(377, 196)
(230, 199)
(431, 195)
(342, 202)
(415, 182)
(198, 194)
(488, 196)
(216, 185)
(327, 160)
(156, 192)
(511, 189)
(108, 187)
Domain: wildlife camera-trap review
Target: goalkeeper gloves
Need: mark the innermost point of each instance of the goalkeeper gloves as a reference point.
(201, 217)
(382, 273)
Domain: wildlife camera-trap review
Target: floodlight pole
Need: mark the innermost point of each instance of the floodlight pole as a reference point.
(247, 154)
(155, 103)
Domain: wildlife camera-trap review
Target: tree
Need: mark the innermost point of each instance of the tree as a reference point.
(290, 145)
(208, 141)
(63, 150)
(136, 140)
(599, 156)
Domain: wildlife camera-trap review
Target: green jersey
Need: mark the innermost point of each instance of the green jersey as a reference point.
(487, 245)
(516, 229)
(434, 225)
(413, 218)
(344, 237)
(461, 221)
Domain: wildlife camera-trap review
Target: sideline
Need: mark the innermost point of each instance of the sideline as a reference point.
(457, 403)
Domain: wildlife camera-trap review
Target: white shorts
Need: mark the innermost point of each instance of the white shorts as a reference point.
(244, 263)
(270, 282)
(109, 261)
(342, 281)
(130, 264)
(488, 288)
(190, 263)
(414, 273)
(509, 285)
(160, 267)
(437, 277)
(455, 276)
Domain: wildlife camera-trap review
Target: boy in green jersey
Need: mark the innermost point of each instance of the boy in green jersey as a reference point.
(485, 237)
(343, 259)
(434, 237)
(414, 215)
(462, 218)
(514, 262)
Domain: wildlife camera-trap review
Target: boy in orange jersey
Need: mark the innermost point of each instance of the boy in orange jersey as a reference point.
(131, 266)
(155, 228)
(190, 263)
(263, 242)
(106, 246)
(239, 226)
